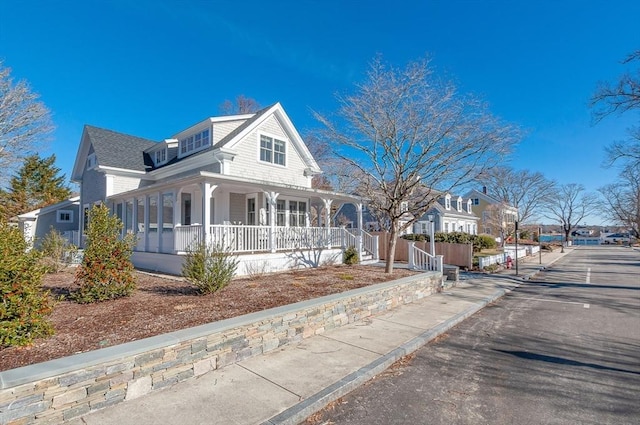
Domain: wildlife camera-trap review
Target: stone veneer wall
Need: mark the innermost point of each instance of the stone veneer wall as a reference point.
(62, 389)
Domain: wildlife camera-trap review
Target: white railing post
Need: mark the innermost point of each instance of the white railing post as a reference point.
(439, 263)
(359, 243)
(376, 247)
(411, 253)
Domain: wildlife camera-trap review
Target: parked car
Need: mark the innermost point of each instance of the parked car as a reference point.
(617, 238)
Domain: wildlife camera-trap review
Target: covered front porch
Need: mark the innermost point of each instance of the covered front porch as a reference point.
(247, 217)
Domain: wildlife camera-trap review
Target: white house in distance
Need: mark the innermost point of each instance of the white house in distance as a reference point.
(450, 214)
(242, 180)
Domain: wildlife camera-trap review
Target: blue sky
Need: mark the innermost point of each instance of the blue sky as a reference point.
(154, 67)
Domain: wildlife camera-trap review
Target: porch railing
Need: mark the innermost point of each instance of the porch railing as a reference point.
(422, 260)
(241, 238)
(364, 242)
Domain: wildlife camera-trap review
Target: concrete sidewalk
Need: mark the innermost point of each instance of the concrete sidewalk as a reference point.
(287, 385)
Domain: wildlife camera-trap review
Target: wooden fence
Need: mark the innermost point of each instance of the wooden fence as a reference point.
(455, 254)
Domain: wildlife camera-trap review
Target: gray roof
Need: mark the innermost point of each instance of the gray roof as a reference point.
(120, 150)
(241, 127)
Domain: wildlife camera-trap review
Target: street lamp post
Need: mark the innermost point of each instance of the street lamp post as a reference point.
(539, 243)
(516, 248)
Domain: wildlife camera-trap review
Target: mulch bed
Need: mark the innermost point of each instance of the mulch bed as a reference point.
(163, 304)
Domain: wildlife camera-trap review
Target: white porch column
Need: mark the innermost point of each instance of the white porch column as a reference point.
(327, 219)
(360, 228)
(146, 223)
(207, 191)
(160, 218)
(271, 199)
(177, 207)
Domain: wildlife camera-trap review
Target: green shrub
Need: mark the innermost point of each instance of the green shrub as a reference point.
(106, 271)
(25, 306)
(418, 237)
(56, 251)
(350, 256)
(484, 242)
(209, 267)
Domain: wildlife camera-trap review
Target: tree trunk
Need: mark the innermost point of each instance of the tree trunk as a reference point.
(391, 250)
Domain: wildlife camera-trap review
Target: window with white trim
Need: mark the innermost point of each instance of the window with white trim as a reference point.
(447, 202)
(161, 156)
(195, 142)
(297, 214)
(459, 205)
(91, 161)
(469, 210)
(251, 211)
(64, 216)
(272, 150)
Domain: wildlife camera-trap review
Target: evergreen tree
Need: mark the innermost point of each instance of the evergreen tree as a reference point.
(36, 185)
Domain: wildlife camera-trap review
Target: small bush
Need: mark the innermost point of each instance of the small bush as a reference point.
(106, 271)
(491, 268)
(484, 242)
(209, 267)
(56, 251)
(418, 237)
(25, 306)
(350, 256)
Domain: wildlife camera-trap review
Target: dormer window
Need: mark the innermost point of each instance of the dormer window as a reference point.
(469, 203)
(195, 142)
(447, 202)
(459, 205)
(404, 206)
(272, 150)
(91, 161)
(161, 156)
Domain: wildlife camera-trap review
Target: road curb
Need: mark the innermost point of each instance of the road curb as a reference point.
(319, 400)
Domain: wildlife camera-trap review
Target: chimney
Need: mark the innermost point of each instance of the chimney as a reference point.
(484, 189)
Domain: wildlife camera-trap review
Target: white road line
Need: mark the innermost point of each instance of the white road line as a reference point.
(588, 275)
(551, 301)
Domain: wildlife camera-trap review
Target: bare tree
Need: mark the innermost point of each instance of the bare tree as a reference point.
(497, 217)
(242, 105)
(25, 123)
(570, 206)
(622, 97)
(524, 189)
(406, 133)
(620, 201)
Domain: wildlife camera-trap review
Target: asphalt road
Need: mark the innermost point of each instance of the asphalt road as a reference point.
(561, 349)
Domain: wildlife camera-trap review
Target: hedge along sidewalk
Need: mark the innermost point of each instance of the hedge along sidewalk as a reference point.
(66, 388)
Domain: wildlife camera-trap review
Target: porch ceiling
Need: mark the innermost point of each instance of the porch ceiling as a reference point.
(239, 185)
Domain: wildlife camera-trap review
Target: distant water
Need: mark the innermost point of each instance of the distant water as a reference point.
(551, 238)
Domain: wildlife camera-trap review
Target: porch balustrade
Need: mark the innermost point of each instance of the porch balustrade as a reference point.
(422, 260)
(241, 238)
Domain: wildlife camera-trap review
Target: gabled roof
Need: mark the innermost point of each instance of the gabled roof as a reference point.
(126, 152)
(477, 194)
(118, 150)
(32, 215)
(112, 149)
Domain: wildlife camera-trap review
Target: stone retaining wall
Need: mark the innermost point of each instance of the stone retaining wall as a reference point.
(63, 389)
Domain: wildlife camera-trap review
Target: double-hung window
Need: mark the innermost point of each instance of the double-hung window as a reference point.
(272, 150)
(297, 213)
(161, 156)
(195, 142)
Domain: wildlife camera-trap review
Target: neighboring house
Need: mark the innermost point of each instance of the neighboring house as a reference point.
(242, 180)
(495, 215)
(63, 217)
(450, 214)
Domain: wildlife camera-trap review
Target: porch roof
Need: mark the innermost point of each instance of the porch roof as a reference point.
(242, 183)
